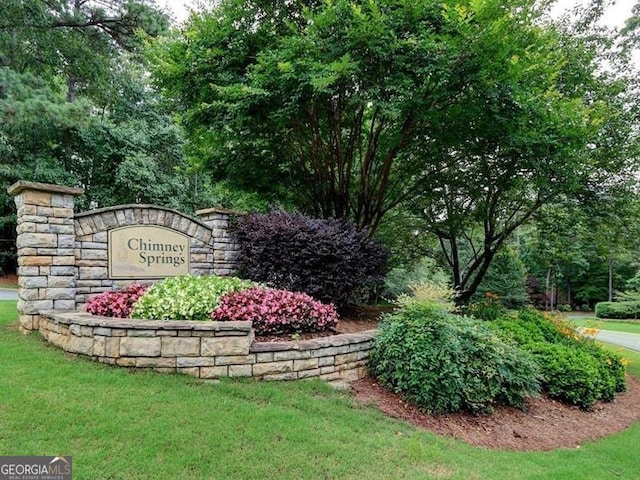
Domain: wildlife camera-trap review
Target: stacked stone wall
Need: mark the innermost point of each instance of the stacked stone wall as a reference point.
(206, 349)
(91, 244)
(225, 248)
(45, 247)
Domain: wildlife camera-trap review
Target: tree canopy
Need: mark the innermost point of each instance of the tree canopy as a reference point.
(473, 114)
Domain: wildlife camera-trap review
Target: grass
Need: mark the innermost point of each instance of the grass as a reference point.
(614, 325)
(123, 425)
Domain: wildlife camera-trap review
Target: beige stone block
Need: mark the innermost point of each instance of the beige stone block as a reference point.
(350, 375)
(34, 197)
(134, 332)
(28, 227)
(126, 361)
(61, 282)
(100, 346)
(260, 369)
(346, 358)
(140, 347)
(64, 304)
(155, 362)
(193, 371)
(240, 370)
(291, 355)
(309, 373)
(226, 346)
(33, 307)
(28, 294)
(37, 240)
(44, 211)
(306, 364)
(325, 361)
(213, 372)
(195, 361)
(112, 347)
(82, 345)
(180, 346)
(235, 359)
(264, 357)
(93, 273)
(35, 260)
(60, 293)
(63, 212)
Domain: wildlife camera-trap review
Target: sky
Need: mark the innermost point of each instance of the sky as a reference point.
(614, 15)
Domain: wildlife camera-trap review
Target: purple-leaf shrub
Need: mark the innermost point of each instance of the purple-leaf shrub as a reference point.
(331, 260)
(276, 311)
(116, 304)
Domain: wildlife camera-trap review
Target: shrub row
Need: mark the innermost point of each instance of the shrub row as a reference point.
(618, 309)
(573, 369)
(443, 362)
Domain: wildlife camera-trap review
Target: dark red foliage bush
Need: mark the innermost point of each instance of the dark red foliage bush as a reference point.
(276, 311)
(331, 260)
(116, 304)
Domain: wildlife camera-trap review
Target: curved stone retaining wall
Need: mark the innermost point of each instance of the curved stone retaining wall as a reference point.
(206, 349)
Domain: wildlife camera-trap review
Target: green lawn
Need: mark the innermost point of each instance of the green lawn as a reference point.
(122, 425)
(618, 326)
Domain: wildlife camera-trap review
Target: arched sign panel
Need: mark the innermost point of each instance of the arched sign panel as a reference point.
(147, 251)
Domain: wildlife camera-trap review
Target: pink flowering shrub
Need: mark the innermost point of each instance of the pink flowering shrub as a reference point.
(276, 311)
(116, 304)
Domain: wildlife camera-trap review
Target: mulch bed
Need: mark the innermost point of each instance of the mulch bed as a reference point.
(546, 425)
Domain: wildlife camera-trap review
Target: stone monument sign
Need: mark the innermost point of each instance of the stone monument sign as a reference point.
(147, 251)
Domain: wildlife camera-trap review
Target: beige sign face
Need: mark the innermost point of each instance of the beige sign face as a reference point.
(147, 251)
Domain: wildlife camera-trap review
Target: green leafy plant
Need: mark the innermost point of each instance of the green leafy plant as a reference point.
(443, 362)
(574, 369)
(489, 308)
(618, 309)
(186, 298)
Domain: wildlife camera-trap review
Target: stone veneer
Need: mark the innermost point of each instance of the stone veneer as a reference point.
(46, 249)
(91, 244)
(62, 255)
(206, 349)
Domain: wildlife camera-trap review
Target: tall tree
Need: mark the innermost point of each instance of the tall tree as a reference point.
(75, 104)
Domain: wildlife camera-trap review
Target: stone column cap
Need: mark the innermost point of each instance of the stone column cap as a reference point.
(22, 185)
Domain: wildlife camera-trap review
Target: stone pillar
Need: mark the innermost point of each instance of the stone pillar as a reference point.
(225, 248)
(46, 249)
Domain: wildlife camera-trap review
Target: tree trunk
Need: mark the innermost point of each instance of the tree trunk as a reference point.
(610, 279)
(547, 288)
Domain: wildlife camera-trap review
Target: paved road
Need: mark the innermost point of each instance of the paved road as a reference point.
(627, 340)
(8, 294)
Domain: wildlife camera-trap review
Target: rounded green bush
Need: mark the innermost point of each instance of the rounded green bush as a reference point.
(569, 374)
(574, 369)
(446, 363)
(186, 298)
(618, 309)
